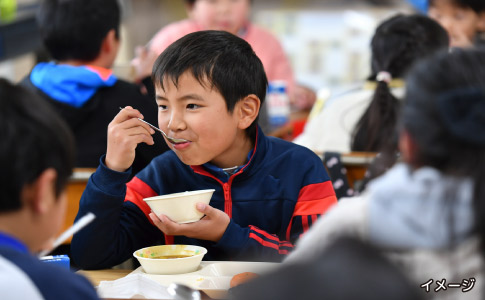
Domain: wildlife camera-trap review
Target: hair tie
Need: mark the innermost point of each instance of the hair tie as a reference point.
(463, 114)
(384, 76)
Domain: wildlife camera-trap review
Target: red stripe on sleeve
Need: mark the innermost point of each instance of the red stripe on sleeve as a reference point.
(257, 238)
(315, 199)
(316, 191)
(288, 230)
(314, 219)
(265, 234)
(271, 236)
(304, 223)
(136, 190)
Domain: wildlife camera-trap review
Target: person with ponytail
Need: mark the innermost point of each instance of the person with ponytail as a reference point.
(363, 119)
(427, 213)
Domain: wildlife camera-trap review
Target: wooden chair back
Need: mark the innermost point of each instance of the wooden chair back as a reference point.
(75, 188)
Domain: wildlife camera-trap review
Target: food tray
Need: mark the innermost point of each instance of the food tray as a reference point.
(212, 277)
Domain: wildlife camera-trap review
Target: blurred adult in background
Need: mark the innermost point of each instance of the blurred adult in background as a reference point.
(464, 20)
(428, 212)
(364, 119)
(83, 38)
(232, 16)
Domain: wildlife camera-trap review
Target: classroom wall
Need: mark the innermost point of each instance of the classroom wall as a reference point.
(326, 40)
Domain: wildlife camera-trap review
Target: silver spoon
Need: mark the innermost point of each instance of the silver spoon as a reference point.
(170, 139)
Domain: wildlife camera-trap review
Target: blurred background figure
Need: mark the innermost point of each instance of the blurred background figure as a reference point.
(83, 38)
(364, 118)
(348, 269)
(426, 212)
(232, 16)
(464, 20)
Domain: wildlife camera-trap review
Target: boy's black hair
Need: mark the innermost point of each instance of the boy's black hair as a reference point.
(75, 29)
(218, 58)
(33, 139)
(477, 5)
(398, 42)
(444, 113)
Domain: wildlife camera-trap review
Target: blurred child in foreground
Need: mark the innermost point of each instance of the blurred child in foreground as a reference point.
(36, 155)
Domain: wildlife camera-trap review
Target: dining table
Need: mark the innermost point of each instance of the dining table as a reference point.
(96, 276)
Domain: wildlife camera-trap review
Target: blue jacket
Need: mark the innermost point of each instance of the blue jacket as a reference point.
(271, 201)
(23, 276)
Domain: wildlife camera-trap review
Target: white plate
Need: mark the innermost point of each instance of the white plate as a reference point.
(212, 277)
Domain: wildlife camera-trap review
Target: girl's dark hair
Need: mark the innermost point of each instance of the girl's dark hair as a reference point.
(33, 139)
(477, 5)
(220, 59)
(75, 29)
(444, 113)
(397, 43)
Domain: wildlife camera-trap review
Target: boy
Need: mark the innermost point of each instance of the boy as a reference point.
(464, 20)
(83, 38)
(36, 155)
(209, 88)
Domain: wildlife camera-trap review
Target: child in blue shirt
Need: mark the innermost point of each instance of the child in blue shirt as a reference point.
(36, 155)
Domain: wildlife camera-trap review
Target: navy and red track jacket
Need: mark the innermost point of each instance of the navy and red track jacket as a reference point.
(271, 201)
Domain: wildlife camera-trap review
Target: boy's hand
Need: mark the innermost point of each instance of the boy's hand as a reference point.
(125, 132)
(211, 227)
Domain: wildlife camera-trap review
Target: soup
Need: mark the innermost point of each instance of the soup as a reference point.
(171, 256)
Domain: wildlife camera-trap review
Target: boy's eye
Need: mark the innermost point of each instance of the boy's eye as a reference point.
(162, 107)
(192, 106)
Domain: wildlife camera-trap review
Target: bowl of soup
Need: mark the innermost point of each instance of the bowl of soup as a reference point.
(180, 207)
(170, 259)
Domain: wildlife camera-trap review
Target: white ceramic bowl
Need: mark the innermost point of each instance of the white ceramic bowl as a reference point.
(167, 265)
(180, 207)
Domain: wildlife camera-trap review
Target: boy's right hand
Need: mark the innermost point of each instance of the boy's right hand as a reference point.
(125, 132)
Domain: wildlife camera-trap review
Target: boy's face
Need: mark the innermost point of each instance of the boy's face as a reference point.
(199, 114)
(225, 15)
(461, 23)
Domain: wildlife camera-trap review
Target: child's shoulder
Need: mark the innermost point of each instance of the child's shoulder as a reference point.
(298, 153)
(60, 281)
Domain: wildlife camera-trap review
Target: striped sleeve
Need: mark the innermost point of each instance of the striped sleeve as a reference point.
(313, 201)
(136, 191)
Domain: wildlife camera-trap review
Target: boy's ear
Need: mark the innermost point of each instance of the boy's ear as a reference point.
(40, 194)
(248, 110)
(408, 148)
(110, 42)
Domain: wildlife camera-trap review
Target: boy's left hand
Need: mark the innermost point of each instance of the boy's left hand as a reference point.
(211, 227)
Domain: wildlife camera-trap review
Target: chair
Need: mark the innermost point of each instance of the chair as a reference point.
(346, 169)
(75, 188)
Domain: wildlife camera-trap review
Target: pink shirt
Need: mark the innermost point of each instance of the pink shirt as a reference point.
(264, 44)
